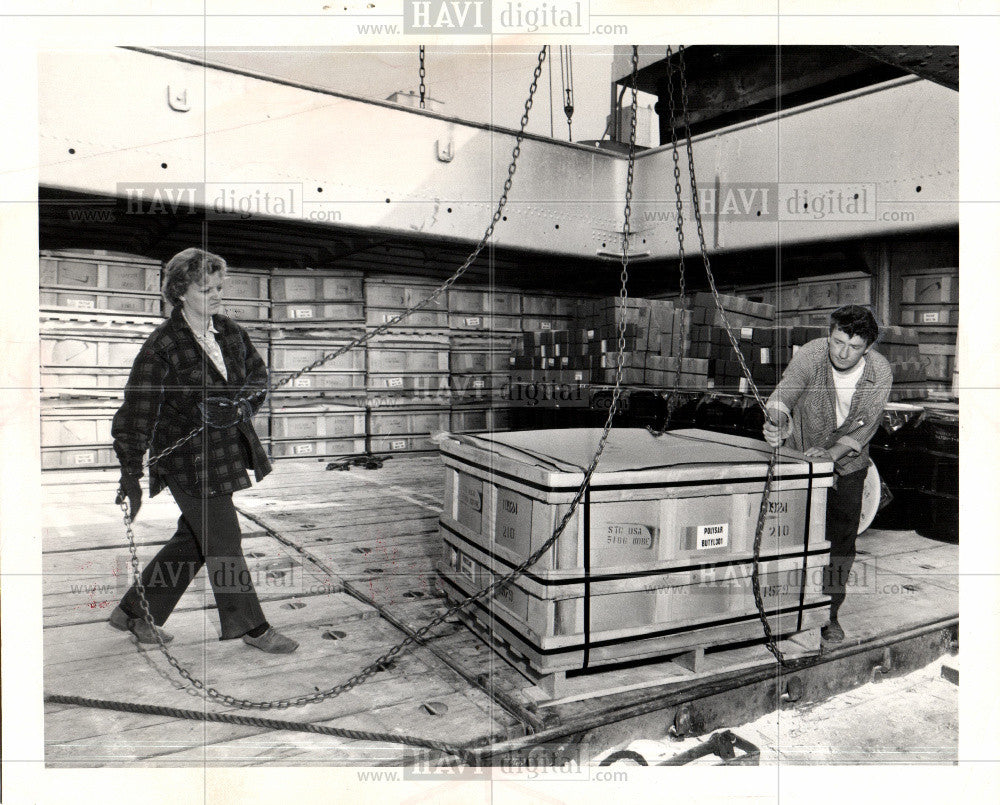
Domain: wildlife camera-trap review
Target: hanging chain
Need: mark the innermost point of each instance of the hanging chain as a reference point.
(772, 644)
(680, 227)
(696, 207)
(417, 636)
(423, 74)
(677, 175)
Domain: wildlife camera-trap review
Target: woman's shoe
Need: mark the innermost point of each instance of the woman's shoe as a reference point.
(272, 642)
(143, 632)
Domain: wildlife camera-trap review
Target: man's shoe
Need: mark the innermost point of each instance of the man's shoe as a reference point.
(137, 626)
(832, 633)
(272, 642)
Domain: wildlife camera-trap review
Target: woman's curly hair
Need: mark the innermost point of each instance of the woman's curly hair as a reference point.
(190, 265)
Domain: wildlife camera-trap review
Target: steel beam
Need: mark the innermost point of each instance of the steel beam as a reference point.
(122, 122)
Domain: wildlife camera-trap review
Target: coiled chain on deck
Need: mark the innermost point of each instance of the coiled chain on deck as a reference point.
(417, 636)
(772, 644)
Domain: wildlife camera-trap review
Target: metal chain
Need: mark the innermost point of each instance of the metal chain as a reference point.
(680, 230)
(417, 636)
(433, 297)
(677, 175)
(423, 74)
(772, 644)
(701, 238)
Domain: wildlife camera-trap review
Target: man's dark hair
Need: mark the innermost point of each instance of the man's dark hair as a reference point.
(855, 320)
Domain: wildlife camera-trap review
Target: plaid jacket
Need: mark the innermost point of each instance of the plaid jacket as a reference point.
(807, 394)
(170, 377)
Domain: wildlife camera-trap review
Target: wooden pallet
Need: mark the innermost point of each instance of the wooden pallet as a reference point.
(558, 687)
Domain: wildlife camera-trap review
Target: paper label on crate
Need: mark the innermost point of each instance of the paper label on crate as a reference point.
(746, 333)
(81, 304)
(300, 313)
(544, 325)
(479, 384)
(302, 383)
(473, 321)
(931, 317)
(765, 355)
(467, 567)
(632, 535)
(302, 449)
(473, 498)
(84, 458)
(394, 382)
(399, 444)
(744, 385)
(709, 537)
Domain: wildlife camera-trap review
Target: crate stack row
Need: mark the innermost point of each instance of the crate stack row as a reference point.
(809, 302)
(443, 367)
(929, 305)
(665, 346)
(95, 310)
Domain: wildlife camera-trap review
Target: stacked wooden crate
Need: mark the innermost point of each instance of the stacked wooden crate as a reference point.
(319, 413)
(930, 306)
(483, 322)
(95, 309)
(809, 302)
(406, 367)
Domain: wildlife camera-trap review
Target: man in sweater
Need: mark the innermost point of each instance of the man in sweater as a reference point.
(829, 404)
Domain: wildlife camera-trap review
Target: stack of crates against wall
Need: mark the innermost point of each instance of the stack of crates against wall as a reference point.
(304, 429)
(656, 560)
(809, 302)
(478, 377)
(97, 281)
(901, 347)
(95, 310)
(408, 396)
(484, 309)
(766, 350)
(309, 298)
(77, 434)
(483, 321)
(929, 304)
(561, 365)
(541, 312)
(387, 296)
(86, 355)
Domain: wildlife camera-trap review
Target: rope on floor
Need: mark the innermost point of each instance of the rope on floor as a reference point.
(257, 721)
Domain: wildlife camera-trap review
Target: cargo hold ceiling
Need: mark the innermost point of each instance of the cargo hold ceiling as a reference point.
(729, 84)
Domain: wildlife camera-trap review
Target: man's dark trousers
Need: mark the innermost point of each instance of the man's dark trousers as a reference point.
(208, 533)
(843, 515)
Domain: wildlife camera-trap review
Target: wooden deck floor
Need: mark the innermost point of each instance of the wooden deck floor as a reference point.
(368, 541)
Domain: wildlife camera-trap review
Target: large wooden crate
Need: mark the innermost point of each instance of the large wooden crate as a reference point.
(405, 365)
(317, 431)
(656, 556)
(342, 377)
(386, 298)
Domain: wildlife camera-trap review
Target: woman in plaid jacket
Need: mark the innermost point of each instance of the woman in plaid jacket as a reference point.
(198, 371)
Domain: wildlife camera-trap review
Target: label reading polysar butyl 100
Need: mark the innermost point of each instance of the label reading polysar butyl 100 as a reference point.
(712, 536)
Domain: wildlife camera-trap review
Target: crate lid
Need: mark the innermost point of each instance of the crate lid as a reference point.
(555, 460)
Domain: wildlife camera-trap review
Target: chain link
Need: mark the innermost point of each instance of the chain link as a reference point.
(423, 74)
(772, 644)
(417, 637)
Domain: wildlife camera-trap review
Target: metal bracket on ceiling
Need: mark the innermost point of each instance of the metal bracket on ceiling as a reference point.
(177, 99)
